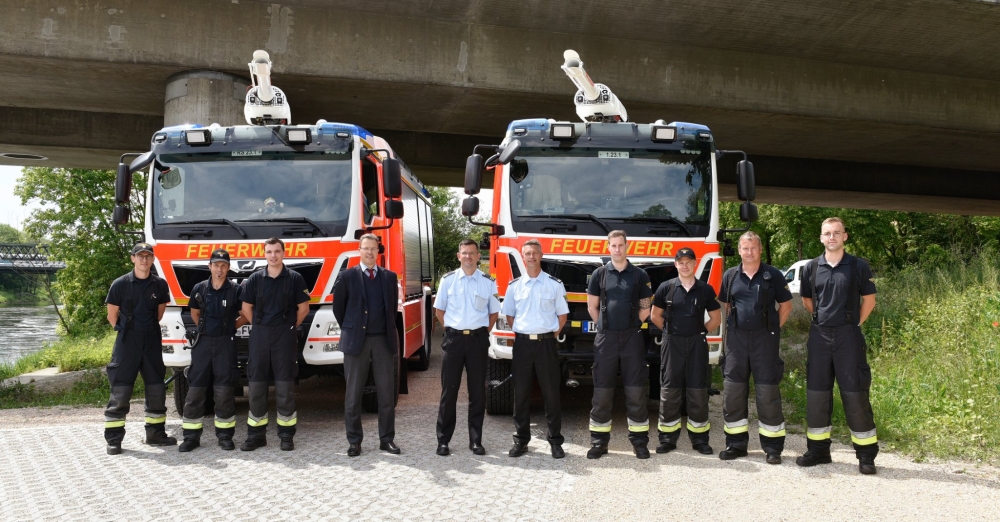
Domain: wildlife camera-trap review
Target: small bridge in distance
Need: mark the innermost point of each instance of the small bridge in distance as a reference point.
(27, 258)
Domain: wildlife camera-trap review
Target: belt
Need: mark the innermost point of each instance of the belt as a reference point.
(453, 331)
(535, 337)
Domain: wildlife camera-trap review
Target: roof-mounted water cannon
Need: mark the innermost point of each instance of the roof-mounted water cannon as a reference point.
(265, 103)
(594, 101)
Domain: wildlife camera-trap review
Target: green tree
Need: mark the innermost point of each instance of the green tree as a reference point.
(450, 228)
(76, 222)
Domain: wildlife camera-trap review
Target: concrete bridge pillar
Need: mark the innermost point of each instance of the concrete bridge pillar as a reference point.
(205, 97)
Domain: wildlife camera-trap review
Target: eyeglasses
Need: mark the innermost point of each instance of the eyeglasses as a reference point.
(144, 258)
(832, 234)
(369, 249)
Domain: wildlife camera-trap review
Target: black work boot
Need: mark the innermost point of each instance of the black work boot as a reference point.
(188, 445)
(666, 446)
(731, 453)
(253, 443)
(226, 443)
(159, 437)
(596, 450)
(866, 465)
(641, 451)
(114, 448)
(811, 458)
(287, 444)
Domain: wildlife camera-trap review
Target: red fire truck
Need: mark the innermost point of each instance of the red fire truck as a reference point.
(317, 187)
(569, 184)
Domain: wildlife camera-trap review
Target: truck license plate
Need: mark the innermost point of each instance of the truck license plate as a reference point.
(589, 327)
(243, 331)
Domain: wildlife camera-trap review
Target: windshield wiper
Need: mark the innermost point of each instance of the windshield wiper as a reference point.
(315, 225)
(585, 217)
(221, 221)
(663, 219)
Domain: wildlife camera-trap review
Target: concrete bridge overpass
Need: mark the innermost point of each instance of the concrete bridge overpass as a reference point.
(892, 104)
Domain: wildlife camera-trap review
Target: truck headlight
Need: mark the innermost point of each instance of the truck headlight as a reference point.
(502, 323)
(332, 328)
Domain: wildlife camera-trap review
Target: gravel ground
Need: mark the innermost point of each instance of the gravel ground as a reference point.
(54, 467)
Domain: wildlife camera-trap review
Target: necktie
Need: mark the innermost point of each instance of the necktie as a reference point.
(371, 273)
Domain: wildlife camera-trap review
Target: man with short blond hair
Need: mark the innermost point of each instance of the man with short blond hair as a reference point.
(838, 289)
(757, 302)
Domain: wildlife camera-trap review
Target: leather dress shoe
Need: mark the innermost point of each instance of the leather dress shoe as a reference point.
(557, 451)
(866, 465)
(517, 450)
(704, 449)
(641, 452)
(666, 447)
(443, 450)
(596, 451)
(354, 450)
(389, 447)
(812, 458)
(773, 458)
(477, 448)
(731, 453)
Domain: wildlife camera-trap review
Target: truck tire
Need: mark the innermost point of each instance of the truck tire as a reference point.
(180, 390)
(181, 386)
(423, 360)
(369, 400)
(499, 387)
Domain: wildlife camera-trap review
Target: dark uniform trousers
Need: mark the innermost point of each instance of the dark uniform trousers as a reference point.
(753, 352)
(684, 376)
(536, 358)
(377, 355)
(627, 348)
(136, 352)
(273, 352)
(213, 365)
(468, 352)
(839, 353)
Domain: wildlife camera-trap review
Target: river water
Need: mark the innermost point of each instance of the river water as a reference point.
(25, 330)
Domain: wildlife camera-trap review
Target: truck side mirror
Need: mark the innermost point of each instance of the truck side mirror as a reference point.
(473, 174)
(121, 214)
(123, 184)
(470, 206)
(748, 212)
(394, 209)
(510, 151)
(392, 184)
(746, 189)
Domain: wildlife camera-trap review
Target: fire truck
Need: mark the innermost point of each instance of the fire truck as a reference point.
(569, 184)
(317, 187)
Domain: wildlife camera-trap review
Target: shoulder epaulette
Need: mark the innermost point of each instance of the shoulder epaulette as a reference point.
(512, 281)
(449, 274)
(491, 277)
(555, 279)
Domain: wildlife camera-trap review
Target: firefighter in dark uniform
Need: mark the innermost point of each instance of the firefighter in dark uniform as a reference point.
(215, 308)
(618, 301)
(757, 303)
(679, 308)
(467, 306)
(136, 302)
(838, 289)
(536, 309)
(276, 301)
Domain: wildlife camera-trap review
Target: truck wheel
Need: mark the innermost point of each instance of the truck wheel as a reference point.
(180, 390)
(499, 387)
(369, 400)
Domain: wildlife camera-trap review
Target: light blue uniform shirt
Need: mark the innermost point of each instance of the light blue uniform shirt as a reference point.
(467, 301)
(535, 304)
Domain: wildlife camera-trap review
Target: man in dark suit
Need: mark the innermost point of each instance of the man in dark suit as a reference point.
(364, 302)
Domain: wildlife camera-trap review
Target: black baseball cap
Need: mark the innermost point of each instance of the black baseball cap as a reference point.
(684, 252)
(142, 247)
(220, 254)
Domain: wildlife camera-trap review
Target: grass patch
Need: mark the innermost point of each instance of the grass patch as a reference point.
(91, 390)
(68, 354)
(935, 358)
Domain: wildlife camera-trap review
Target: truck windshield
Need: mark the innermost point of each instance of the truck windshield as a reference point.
(640, 190)
(269, 187)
